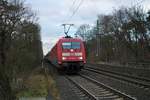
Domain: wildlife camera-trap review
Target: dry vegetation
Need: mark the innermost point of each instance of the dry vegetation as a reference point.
(20, 45)
(120, 37)
(38, 84)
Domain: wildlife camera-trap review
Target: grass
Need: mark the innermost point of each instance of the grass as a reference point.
(52, 86)
(38, 84)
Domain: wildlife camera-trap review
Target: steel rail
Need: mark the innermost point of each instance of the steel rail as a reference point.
(118, 76)
(135, 77)
(85, 91)
(119, 93)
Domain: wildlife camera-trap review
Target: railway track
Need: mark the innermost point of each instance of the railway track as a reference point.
(140, 82)
(94, 90)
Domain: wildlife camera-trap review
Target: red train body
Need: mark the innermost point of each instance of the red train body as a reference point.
(68, 54)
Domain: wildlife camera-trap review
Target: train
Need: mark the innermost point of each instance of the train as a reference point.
(68, 54)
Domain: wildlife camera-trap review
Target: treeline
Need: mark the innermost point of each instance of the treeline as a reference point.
(20, 45)
(121, 37)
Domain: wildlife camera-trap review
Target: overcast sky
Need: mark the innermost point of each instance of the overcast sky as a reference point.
(53, 13)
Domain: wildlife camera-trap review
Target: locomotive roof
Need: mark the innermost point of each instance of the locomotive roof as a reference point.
(68, 39)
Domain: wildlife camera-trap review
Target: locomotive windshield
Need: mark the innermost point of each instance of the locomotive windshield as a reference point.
(71, 45)
(75, 45)
(66, 45)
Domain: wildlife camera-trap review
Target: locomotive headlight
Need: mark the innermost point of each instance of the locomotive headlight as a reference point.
(63, 58)
(80, 58)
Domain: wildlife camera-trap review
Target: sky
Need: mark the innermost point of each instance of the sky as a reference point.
(53, 13)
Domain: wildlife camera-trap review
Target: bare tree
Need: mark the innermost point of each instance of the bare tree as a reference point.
(84, 31)
(20, 44)
(125, 36)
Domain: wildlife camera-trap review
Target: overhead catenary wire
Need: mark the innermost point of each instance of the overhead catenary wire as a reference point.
(75, 11)
(72, 7)
(73, 4)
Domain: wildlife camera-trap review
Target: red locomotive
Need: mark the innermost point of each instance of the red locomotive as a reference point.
(68, 54)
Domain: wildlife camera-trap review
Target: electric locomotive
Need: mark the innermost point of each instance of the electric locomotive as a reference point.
(68, 54)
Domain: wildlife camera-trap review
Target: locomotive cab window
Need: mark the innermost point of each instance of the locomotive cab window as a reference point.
(71, 45)
(66, 45)
(75, 45)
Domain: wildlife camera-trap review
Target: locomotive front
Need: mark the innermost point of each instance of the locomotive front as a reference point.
(72, 54)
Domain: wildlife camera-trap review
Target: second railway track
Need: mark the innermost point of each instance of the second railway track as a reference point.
(95, 90)
(143, 83)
